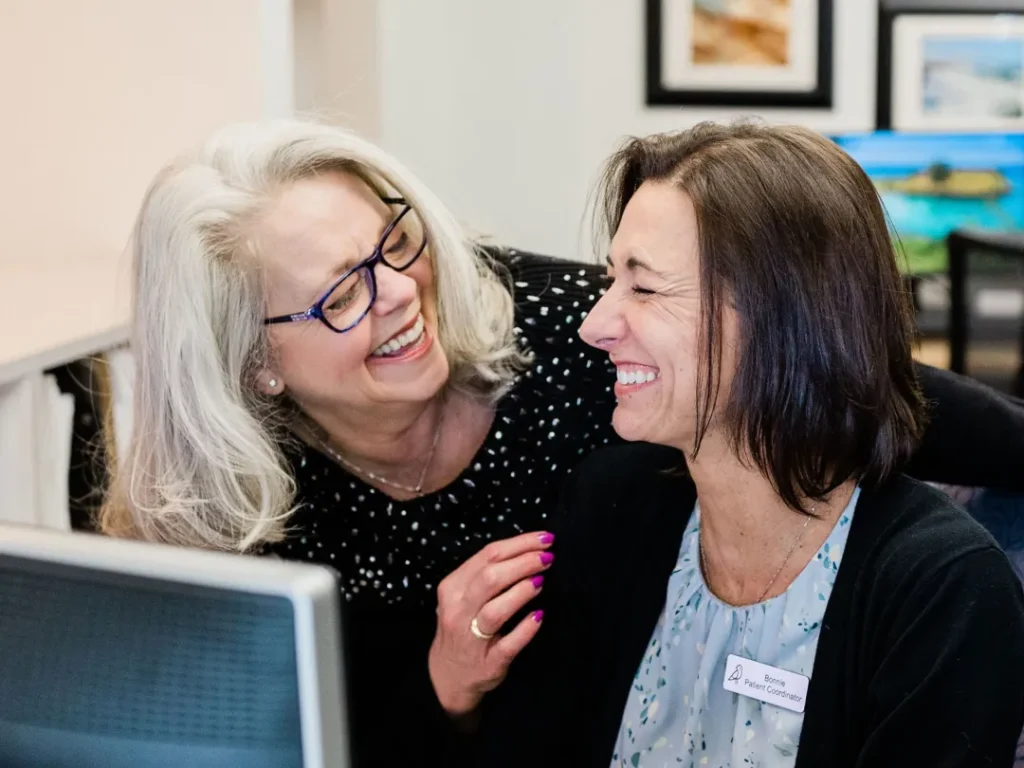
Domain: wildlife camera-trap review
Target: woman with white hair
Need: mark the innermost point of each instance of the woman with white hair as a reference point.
(330, 369)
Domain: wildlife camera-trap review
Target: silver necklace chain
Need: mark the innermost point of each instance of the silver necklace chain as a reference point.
(417, 489)
(792, 549)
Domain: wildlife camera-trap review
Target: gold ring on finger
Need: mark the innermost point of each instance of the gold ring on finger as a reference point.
(474, 627)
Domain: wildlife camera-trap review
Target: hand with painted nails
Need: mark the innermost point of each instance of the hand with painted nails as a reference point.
(469, 657)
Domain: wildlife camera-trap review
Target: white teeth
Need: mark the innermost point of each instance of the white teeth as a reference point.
(403, 339)
(627, 377)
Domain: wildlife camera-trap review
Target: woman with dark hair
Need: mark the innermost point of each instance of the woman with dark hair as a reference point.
(790, 598)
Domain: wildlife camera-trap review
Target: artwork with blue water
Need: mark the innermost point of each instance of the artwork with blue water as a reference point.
(932, 184)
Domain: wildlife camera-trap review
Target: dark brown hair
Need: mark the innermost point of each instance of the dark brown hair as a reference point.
(791, 234)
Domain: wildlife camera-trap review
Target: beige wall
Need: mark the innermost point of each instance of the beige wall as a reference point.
(337, 48)
(97, 94)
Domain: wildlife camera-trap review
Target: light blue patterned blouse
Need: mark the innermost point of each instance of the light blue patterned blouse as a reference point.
(678, 713)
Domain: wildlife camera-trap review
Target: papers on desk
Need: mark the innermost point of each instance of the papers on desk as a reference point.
(121, 366)
(36, 424)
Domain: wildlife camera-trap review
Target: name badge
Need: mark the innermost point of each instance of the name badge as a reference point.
(772, 685)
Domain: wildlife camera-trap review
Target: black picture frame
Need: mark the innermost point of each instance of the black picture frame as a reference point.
(890, 10)
(818, 98)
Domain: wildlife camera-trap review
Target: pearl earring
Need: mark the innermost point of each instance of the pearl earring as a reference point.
(272, 383)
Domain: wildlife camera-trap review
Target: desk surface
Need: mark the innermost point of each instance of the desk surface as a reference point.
(57, 315)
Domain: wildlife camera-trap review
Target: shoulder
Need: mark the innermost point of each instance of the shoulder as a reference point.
(551, 298)
(635, 481)
(633, 464)
(974, 435)
(546, 281)
(918, 526)
(916, 546)
(537, 269)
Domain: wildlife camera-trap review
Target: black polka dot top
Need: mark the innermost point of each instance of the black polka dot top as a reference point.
(391, 555)
(390, 552)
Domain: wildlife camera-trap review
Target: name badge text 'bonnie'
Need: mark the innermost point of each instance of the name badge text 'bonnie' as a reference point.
(772, 685)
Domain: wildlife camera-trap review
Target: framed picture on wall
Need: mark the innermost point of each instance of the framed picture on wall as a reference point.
(740, 53)
(951, 70)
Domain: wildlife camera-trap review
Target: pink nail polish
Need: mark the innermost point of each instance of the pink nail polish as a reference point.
(546, 538)
(546, 558)
(537, 581)
(538, 616)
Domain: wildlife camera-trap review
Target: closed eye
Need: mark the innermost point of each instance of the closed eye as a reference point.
(607, 280)
(399, 244)
(338, 303)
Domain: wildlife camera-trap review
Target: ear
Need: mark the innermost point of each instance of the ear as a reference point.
(269, 383)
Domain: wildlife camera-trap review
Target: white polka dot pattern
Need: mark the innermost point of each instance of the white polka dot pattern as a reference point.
(391, 552)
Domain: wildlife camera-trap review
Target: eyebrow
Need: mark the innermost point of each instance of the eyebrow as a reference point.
(346, 264)
(633, 263)
(339, 269)
(336, 272)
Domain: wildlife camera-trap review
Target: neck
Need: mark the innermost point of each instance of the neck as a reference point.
(395, 439)
(747, 530)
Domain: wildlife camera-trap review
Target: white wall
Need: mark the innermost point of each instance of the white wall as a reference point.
(508, 109)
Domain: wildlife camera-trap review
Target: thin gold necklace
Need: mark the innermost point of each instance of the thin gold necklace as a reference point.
(792, 549)
(417, 490)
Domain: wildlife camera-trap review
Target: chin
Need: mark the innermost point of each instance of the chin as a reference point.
(628, 427)
(431, 379)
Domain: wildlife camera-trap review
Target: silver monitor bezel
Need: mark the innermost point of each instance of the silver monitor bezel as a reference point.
(312, 590)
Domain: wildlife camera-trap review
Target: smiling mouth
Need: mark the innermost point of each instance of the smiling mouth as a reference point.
(630, 377)
(403, 341)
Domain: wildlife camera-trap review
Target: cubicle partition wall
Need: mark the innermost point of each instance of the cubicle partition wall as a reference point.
(102, 94)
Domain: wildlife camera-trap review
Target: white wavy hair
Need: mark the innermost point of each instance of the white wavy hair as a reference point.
(204, 466)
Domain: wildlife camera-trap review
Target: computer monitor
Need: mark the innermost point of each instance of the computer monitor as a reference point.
(118, 654)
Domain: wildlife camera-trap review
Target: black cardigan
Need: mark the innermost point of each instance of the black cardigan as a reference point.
(920, 659)
(975, 435)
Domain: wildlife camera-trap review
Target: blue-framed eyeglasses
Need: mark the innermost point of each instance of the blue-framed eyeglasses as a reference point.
(351, 296)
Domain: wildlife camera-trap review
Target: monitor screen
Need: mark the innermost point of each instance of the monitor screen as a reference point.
(932, 184)
(109, 668)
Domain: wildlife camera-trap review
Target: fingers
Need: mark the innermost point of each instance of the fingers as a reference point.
(489, 572)
(495, 578)
(495, 613)
(508, 647)
(506, 549)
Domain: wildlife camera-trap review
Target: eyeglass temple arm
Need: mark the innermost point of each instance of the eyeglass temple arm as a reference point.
(288, 318)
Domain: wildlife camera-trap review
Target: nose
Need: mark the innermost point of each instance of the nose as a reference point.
(395, 290)
(604, 325)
